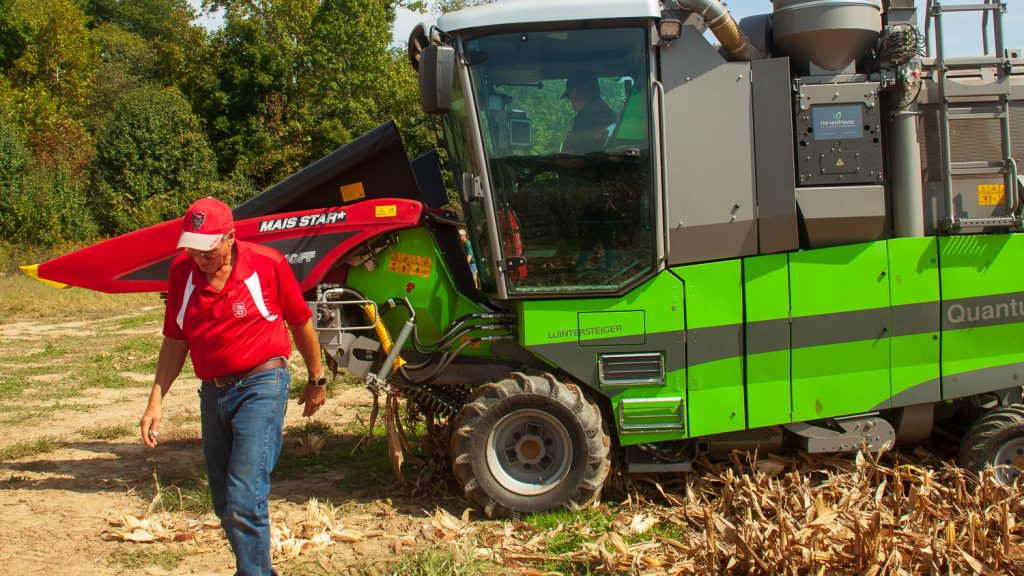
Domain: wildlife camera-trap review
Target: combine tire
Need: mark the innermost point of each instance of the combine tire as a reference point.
(529, 443)
(996, 439)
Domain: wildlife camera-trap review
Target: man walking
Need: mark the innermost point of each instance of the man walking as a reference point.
(228, 303)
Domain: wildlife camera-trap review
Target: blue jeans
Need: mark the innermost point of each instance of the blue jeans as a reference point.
(241, 443)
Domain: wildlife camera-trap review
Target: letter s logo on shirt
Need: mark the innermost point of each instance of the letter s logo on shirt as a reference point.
(239, 309)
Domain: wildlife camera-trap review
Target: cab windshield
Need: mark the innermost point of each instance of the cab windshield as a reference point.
(565, 123)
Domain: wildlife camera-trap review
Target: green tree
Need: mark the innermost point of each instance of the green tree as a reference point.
(152, 160)
(179, 51)
(57, 53)
(41, 202)
(298, 78)
(125, 61)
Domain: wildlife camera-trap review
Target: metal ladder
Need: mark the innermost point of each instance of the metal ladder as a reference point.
(952, 93)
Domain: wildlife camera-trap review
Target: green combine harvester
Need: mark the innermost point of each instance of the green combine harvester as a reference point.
(807, 237)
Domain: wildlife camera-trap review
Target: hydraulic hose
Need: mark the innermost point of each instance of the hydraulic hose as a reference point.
(724, 28)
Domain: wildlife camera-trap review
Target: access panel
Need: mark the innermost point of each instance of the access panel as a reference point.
(840, 330)
(714, 346)
(982, 313)
(766, 295)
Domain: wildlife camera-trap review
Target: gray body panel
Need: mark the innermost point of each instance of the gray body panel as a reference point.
(773, 125)
(835, 215)
(709, 144)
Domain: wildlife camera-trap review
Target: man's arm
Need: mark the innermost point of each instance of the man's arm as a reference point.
(309, 348)
(168, 365)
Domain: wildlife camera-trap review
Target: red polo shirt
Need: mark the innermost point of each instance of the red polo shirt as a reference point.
(243, 325)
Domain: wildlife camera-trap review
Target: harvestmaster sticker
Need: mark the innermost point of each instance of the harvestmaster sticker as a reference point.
(302, 222)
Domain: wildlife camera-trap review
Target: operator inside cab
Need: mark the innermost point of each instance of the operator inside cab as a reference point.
(594, 120)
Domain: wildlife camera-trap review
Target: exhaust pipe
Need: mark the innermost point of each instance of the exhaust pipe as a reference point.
(724, 28)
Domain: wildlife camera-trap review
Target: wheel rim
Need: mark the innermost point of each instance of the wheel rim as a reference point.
(529, 452)
(1009, 461)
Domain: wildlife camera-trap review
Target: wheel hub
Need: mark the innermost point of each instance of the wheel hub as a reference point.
(529, 452)
(530, 449)
(1009, 461)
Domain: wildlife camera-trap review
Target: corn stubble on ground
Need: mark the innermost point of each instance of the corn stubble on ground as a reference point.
(890, 514)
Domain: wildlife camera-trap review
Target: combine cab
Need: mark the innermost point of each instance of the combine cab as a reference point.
(807, 237)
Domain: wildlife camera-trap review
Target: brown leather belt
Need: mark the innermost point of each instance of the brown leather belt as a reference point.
(222, 381)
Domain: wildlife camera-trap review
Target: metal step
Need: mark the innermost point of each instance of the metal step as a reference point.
(966, 8)
(844, 434)
(997, 222)
(954, 89)
(989, 168)
(968, 62)
(974, 115)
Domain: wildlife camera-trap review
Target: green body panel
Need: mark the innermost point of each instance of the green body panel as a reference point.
(714, 318)
(763, 340)
(834, 379)
(435, 298)
(983, 306)
(914, 293)
(573, 335)
(553, 321)
(766, 291)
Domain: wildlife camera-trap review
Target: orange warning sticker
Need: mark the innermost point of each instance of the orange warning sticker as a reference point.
(389, 211)
(350, 192)
(410, 265)
(991, 194)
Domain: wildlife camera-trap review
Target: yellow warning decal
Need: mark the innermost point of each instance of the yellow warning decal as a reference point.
(840, 163)
(991, 194)
(350, 192)
(410, 265)
(389, 211)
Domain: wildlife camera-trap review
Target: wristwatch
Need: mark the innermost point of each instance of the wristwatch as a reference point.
(318, 382)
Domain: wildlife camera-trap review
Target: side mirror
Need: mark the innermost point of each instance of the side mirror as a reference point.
(437, 69)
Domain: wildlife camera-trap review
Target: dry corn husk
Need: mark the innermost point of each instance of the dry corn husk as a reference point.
(865, 514)
(319, 527)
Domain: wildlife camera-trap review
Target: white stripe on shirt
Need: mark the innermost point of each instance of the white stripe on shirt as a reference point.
(253, 283)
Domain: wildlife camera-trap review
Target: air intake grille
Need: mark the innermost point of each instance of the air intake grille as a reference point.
(641, 369)
(970, 140)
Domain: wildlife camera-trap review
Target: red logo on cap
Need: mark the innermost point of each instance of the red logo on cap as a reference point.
(197, 220)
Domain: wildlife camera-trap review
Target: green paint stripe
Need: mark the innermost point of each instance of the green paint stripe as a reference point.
(715, 343)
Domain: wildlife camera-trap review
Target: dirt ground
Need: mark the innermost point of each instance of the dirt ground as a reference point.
(74, 464)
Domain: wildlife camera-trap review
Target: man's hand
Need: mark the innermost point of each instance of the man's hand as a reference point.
(313, 397)
(150, 423)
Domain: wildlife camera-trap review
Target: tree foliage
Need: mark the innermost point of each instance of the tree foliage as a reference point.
(152, 159)
(131, 105)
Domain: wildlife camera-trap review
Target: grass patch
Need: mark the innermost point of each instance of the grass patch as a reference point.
(431, 562)
(187, 492)
(50, 351)
(138, 558)
(150, 318)
(569, 531)
(138, 354)
(28, 299)
(109, 432)
(27, 448)
(185, 417)
(371, 467)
